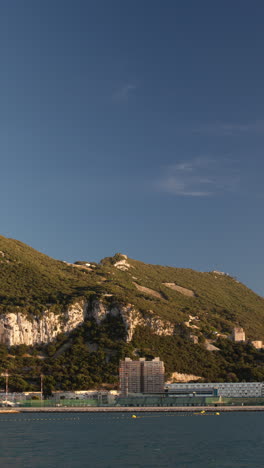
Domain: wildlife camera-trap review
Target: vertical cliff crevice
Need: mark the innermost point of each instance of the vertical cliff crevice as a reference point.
(99, 310)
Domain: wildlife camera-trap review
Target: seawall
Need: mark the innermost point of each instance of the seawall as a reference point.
(149, 409)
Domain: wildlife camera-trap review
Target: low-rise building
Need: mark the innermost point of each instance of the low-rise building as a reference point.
(196, 391)
(102, 397)
(20, 396)
(258, 344)
(238, 334)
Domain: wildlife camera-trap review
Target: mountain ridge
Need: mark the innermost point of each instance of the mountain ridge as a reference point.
(31, 281)
(120, 306)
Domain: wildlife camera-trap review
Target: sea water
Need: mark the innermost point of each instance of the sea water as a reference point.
(115, 440)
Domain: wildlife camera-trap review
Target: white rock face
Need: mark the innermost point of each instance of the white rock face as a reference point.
(131, 318)
(149, 291)
(16, 328)
(178, 377)
(180, 289)
(123, 264)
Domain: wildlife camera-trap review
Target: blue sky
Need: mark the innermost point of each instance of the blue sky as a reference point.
(135, 127)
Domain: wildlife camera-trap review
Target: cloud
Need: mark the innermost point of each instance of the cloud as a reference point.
(229, 128)
(124, 91)
(200, 177)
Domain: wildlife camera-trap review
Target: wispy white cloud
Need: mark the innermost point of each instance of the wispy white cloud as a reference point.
(231, 128)
(124, 91)
(200, 177)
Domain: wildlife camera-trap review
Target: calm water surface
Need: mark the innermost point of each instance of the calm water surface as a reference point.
(117, 440)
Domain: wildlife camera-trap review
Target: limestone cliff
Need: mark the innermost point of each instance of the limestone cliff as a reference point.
(16, 328)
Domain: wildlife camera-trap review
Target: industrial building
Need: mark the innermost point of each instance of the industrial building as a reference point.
(209, 391)
(141, 376)
(226, 389)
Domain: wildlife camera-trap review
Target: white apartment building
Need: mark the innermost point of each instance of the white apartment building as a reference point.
(226, 389)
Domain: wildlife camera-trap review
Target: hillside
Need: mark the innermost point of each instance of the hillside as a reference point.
(156, 309)
(32, 281)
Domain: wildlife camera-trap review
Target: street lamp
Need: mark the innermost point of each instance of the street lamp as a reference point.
(41, 386)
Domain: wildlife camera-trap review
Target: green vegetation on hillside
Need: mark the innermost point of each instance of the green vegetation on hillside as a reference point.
(233, 362)
(32, 282)
(92, 359)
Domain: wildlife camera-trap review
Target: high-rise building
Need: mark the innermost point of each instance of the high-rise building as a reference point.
(130, 376)
(141, 376)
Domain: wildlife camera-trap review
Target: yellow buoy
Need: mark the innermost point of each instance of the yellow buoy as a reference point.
(133, 416)
(217, 414)
(203, 412)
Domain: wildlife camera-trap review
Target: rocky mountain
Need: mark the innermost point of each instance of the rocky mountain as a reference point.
(119, 306)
